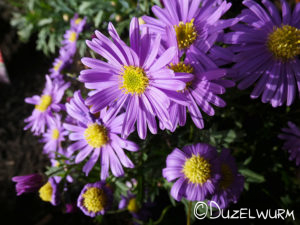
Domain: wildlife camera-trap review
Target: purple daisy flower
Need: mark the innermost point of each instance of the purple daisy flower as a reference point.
(95, 199)
(28, 183)
(49, 192)
(196, 169)
(140, 212)
(54, 136)
(129, 202)
(98, 137)
(268, 49)
(45, 105)
(196, 23)
(231, 183)
(291, 136)
(77, 23)
(69, 42)
(133, 79)
(202, 90)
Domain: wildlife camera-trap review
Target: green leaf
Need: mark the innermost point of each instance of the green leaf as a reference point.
(251, 176)
(45, 21)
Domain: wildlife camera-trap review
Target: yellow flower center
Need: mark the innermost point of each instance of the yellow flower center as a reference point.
(132, 205)
(73, 36)
(57, 65)
(77, 21)
(46, 192)
(227, 177)
(96, 135)
(284, 42)
(186, 34)
(55, 134)
(133, 80)
(181, 67)
(94, 199)
(44, 103)
(196, 169)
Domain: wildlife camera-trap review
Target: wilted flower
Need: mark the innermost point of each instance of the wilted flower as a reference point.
(28, 183)
(231, 183)
(291, 136)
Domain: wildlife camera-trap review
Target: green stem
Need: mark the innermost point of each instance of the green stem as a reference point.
(162, 215)
(188, 219)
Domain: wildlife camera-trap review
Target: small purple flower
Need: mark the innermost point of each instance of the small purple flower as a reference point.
(77, 24)
(196, 170)
(268, 48)
(45, 105)
(49, 192)
(197, 24)
(95, 199)
(140, 212)
(69, 42)
(54, 136)
(98, 138)
(291, 135)
(133, 79)
(129, 202)
(64, 59)
(28, 183)
(202, 90)
(231, 183)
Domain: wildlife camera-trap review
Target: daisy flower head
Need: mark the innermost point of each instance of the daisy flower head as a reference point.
(291, 135)
(45, 105)
(64, 59)
(28, 183)
(98, 137)
(267, 45)
(49, 192)
(202, 90)
(133, 79)
(231, 183)
(95, 199)
(69, 42)
(196, 170)
(54, 136)
(129, 202)
(78, 23)
(196, 23)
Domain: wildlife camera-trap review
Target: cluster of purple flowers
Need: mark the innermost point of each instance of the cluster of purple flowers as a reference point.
(201, 174)
(171, 67)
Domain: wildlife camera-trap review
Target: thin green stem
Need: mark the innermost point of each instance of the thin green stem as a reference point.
(188, 219)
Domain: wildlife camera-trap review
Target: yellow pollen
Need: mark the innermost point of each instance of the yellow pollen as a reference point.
(46, 192)
(133, 80)
(96, 135)
(44, 103)
(94, 199)
(77, 21)
(227, 177)
(55, 134)
(132, 205)
(186, 34)
(284, 42)
(197, 170)
(181, 67)
(73, 36)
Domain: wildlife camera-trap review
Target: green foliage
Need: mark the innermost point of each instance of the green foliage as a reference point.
(50, 19)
